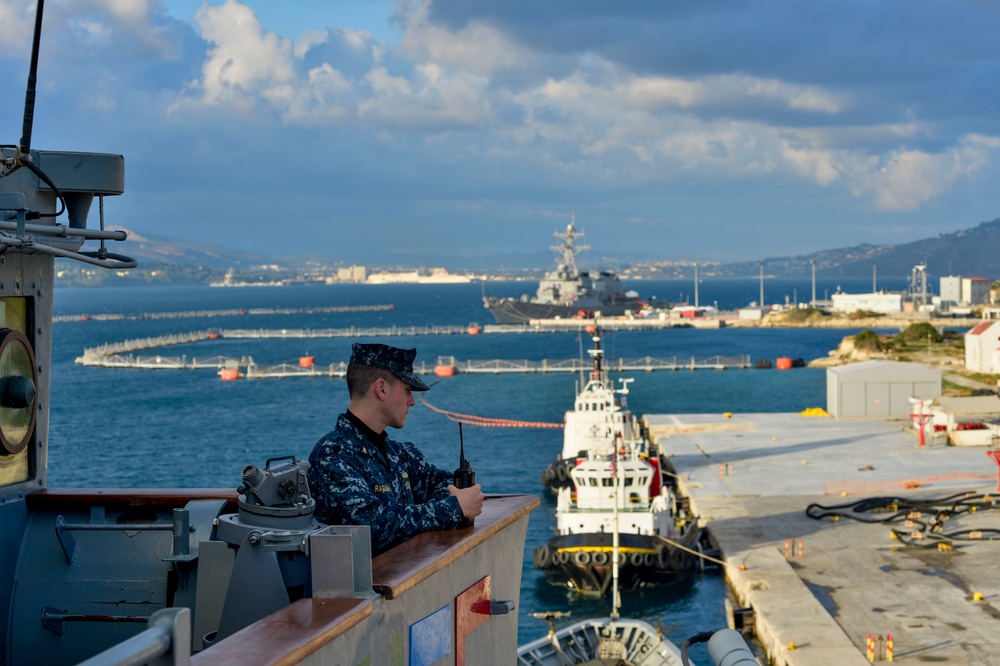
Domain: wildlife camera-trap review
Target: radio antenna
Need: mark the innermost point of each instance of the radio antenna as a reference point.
(29, 95)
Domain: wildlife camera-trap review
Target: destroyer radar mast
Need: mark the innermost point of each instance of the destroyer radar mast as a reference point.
(568, 249)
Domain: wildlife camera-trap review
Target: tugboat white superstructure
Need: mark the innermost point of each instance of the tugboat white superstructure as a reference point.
(609, 481)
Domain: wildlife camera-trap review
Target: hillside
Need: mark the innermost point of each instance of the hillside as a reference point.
(968, 252)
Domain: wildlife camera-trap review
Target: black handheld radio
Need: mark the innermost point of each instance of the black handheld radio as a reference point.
(465, 477)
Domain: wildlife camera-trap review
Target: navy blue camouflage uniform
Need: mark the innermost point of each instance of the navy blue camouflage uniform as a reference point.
(397, 492)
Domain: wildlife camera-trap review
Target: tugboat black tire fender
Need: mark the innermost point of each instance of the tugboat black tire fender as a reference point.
(543, 557)
(562, 474)
(581, 558)
(636, 559)
(600, 558)
(680, 559)
(662, 557)
(649, 559)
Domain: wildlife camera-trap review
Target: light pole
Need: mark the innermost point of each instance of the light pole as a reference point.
(762, 285)
(812, 263)
(696, 284)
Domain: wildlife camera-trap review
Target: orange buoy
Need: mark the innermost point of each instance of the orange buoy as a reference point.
(445, 370)
(783, 363)
(307, 361)
(591, 329)
(84, 318)
(229, 374)
(473, 329)
(214, 336)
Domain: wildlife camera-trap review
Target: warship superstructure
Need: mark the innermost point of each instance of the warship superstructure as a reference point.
(567, 291)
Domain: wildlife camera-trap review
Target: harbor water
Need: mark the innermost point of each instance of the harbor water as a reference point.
(186, 428)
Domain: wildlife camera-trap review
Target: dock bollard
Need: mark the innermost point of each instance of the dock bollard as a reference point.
(870, 648)
(888, 647)
(800, 548)
(878, 653)
(788, 548)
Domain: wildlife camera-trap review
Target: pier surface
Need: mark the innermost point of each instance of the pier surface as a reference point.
(852, 579)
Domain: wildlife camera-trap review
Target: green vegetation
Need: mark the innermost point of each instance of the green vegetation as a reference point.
(869, 341)
(801, 315)
(863, 314)
(919, 333)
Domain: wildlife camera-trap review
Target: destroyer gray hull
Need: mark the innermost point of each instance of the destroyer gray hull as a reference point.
(511, 311)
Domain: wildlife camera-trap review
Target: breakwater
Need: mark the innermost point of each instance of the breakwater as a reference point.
(227, 312)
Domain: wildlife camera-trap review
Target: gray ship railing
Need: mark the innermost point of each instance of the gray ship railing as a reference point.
(166, 641)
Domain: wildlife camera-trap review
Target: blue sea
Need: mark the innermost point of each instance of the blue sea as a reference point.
(186, 428)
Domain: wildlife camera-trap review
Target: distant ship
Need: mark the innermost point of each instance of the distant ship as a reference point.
(436, 276)
(567, 291)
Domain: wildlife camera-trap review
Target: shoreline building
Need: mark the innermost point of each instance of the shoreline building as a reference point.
(982, 348)
(957, 290)
(883, 303)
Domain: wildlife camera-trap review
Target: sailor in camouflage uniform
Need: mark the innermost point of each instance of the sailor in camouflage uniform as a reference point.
(358, 476)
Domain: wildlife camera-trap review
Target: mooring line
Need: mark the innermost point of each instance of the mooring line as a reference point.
(486, 421)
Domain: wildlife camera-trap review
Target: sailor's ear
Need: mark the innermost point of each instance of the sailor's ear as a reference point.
(380, 387)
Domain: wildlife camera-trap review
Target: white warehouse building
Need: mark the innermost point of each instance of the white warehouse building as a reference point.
(878, 302)
(878, 388)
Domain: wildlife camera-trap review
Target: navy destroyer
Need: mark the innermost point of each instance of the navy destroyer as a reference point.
(567, 291)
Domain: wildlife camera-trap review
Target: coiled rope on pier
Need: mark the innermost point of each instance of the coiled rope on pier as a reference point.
(486, 421)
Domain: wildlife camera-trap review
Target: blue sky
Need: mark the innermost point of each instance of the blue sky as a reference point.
(688, 130)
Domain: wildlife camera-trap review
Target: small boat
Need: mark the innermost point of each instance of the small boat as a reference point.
(617, 640)
(609, 469)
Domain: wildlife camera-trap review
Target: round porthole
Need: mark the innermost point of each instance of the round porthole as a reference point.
(18, 393)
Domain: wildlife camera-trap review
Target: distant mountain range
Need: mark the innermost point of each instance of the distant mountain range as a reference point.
(970, 252)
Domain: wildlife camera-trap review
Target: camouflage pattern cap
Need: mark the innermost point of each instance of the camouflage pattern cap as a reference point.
(397, 361)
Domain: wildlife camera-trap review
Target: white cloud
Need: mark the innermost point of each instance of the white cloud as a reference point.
(729, 91)
(906, 179)
(476, 48)
(16, 27)
(245, 61)
(135, 19)
(817, 165)
(435, 98)
(309, 39)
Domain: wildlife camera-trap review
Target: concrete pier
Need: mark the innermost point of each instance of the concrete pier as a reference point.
(750, 477)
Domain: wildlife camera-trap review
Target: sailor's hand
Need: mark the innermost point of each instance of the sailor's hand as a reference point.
(470, 499)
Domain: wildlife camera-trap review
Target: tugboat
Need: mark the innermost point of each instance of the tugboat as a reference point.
(567, 291)
(614, 641)
(130, 576)
(614, 496)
